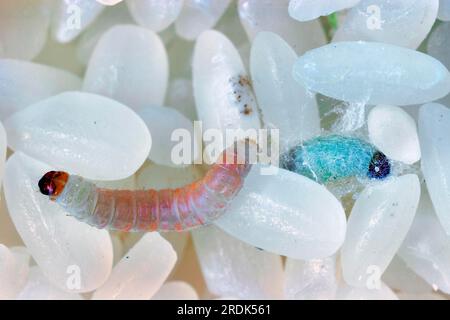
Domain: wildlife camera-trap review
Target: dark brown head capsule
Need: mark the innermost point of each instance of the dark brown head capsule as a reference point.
(379, 167)
(52, 183)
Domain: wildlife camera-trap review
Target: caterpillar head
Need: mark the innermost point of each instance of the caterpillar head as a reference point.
(379, 167)
(52, 183)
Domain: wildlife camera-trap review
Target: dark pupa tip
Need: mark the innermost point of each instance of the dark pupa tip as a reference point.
(379, 167)
(52, 183)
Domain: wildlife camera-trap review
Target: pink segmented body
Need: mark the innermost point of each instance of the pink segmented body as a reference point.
(180, 209)
(169, 209)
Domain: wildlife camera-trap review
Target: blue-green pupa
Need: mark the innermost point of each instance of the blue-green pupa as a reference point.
(334, 157)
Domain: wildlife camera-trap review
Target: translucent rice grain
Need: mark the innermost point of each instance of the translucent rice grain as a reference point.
(18, 20)
(284, 103)
(438, 46)
(394, 132)
(373, 73)
(130, 65)
(38, 287)
(404, 23)
(155, 15)
(141, 272)
(170, 130)
(426, 249)
(73, 256)
(233, 268)
(20, 89)
(13, 271)
(311, 279)
(223, 91)
(300, 36)
(434, 130)
(378, 224)
(306, 10)
(199, 15)
(265, 214)
(70, 18)
(116, 15)
(400, 277)
(82, 133)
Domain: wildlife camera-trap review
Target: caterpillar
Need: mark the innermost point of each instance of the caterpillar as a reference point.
(333, 157)
(180, 209)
